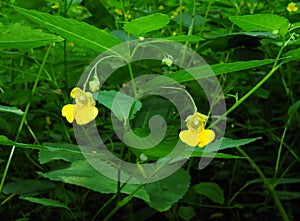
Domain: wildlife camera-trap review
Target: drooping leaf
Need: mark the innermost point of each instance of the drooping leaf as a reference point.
(262, 22)
(166, 192)
(11, 109)
(28, 187)
(78, 32)
(45, 202)
(211, 190)
(122, 105)
(17, 36)
(81, 173)
(143, 25)
(292, 54)
(202, 72)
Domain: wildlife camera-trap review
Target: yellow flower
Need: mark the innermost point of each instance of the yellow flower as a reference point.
(196, 135)
(83, 111)
(292, 7)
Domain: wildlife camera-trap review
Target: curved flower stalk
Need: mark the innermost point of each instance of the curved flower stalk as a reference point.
(83, 111)
(196, 135)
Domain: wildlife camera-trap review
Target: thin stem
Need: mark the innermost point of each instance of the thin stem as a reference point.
(240, 101)
(132, 79)
(24, 118)
(280, 149)
(267, 185)
(205, 17)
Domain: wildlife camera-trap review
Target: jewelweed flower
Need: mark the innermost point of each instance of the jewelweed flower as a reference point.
(83, 111)
(196, 135)
(292, 7)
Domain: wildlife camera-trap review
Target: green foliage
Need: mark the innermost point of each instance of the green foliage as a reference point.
(143, 25)
(251, 48)
(211, 190)
(19, 36)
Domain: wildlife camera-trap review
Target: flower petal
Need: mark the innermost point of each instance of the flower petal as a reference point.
(190, 137)
(85, 114)
(205, 137)
(76, 92)
(68, 112)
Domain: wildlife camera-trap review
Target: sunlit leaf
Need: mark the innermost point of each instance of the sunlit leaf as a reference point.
(262, 22)
(143, 25)
(16, 36)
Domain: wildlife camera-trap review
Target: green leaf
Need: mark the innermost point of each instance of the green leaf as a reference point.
(226, 143)
(28, 187)
(186, 212)
(183, 38)
(71, 155)
(15, 36)
(140, 26)
(292, 55)
(203, 72)
(78, 32)
(125, 107)
(211, 190)
(166, 192)
(262, 22)
(287, 195)
(293, 108)
(81, 173)
(11, 109)
(45, 202)
(5, 141)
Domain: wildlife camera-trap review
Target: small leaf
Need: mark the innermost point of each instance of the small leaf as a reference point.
(211, 190)
(19, 36)
(262, 22)
(11, 109)
(166, 192)
(124, 107)
(45, 202)
(294, 107)
(186, 212)
(143, 25)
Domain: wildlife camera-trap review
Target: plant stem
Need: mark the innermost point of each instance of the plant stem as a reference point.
(240, 101)
(267, 185)
(24, 117)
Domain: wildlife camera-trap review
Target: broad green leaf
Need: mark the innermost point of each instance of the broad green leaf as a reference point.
(143, 25)
(81, 173)
(186, 212)
(16, 36)
(78, 32)
(211, 190)
(11, 109)
(45, 202)
(28, 187)
(230, 143)
(183, 38)
(202, 72)
(262, 22)
(164, 193)
(294, 107)
(124, 107)
(72, 155)
(292, 55)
